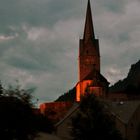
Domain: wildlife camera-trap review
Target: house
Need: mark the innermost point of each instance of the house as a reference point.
(127, 117)
(125, 114)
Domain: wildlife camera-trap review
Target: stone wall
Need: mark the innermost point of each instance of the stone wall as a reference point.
(55, 110)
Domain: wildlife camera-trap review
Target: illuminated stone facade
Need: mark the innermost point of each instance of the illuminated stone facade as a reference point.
(55, 110)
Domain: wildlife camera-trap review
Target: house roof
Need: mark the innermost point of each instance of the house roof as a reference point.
(124, 110)
(73, 109)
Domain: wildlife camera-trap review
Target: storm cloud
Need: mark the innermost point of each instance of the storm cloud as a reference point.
(39, 41)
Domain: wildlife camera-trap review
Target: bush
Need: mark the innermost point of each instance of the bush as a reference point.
(93, 121)
(18, 120)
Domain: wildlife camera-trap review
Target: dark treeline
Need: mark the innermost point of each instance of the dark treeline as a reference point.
(19, 120)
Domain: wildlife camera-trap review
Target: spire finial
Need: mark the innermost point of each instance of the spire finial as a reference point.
(89, 30)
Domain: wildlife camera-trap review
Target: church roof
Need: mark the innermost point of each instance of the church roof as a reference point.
(95, 74)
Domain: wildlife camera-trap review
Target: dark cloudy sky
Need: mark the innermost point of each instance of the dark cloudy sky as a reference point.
(39, 41)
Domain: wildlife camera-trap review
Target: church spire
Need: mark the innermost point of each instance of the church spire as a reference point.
(89, 30)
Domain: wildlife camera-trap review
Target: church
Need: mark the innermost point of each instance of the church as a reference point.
(90, 78)
(126, 114)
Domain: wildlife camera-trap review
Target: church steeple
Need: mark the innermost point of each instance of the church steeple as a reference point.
(89, 53)
(90, 78)
(89, 30)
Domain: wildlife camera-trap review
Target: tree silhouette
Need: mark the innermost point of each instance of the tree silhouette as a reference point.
(18, 120)
(93, 121)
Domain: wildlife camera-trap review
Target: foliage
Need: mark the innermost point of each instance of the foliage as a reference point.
(18, 120)
(93, 121)
(43, 124)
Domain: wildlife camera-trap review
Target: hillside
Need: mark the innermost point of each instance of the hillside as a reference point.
(69, 96)
(131, 84)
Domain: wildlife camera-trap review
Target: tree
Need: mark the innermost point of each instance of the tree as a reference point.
(93, 122)
(18, 120)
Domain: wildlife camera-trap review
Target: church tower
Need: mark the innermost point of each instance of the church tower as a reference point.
(90, 79)
(89, 55)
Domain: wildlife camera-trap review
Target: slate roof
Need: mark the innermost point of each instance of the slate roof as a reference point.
(124, 110)
(95, 74)
(73, 109)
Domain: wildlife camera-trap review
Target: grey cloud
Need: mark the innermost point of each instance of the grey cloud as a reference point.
(45, 52)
